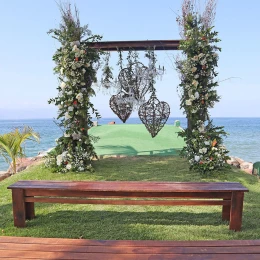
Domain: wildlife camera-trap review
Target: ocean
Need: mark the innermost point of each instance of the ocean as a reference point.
(243, 140)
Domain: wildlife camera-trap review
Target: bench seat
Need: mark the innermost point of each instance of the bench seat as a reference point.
(60, 248)
(227, 194)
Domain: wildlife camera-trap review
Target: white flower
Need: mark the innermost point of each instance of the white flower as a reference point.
(83, 90)
(61, 71)
(215, 54)
(63, 85)
(82, 52)
(60, 106)
(77, 54)
(201, 128)
(75, 48)
(197, 158)
(59, 159)
(64, 154)
(196, 95)
(67, 115)
(188, 102)
(222, 147)
(204, 150)
(201, 55)
(79, 96)
(68, 166)
(70, 109)
(190, 92)
(81, 169)
(203, 62)
(195, 58)
(211, 104)
(193, 69)
(84, 71)
(207, 143)
(72, 73)
(87, 65)
(69, 93)
(200, 151)
(192, 98)
(195, 83)
(194, 111)
(82, 83)
(196, 76)
(66, 135)
(76, 136)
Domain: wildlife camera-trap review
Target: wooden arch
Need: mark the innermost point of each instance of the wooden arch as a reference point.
(157, 45)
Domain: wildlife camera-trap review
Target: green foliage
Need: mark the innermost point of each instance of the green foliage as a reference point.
(76, 66)
(204, 144)
(11, 144)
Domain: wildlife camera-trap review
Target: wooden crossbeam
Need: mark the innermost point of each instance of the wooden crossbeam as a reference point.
(158, 45)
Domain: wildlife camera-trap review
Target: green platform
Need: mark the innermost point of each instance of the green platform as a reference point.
(130, 140)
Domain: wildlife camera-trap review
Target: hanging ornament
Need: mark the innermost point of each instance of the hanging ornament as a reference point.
(121, 106)
(134, 79)
(154, 114)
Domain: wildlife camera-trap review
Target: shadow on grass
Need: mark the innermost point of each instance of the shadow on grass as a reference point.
(129, 150)
(117, 225)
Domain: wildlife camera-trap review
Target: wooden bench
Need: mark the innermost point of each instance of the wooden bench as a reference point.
(58, 248)
(228, 194)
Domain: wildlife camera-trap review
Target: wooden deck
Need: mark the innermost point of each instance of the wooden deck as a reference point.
(58, 248)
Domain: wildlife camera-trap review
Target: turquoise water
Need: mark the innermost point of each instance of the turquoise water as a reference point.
(243, 140)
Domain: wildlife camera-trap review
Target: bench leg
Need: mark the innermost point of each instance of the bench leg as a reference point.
(226, 211)
(29, 210)
(236, 211)
(18, 207)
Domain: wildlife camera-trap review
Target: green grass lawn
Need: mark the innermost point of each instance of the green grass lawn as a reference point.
(133, 222)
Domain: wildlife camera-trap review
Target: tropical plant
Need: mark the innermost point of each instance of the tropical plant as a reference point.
(11, 144)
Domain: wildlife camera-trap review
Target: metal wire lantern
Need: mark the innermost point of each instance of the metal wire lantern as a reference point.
(154, 114)
(121, 106)
(134, 79)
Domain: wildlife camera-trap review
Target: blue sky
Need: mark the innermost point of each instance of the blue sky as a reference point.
(26, 68)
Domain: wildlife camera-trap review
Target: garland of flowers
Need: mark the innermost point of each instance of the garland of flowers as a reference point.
(76, 66)
(204, 145)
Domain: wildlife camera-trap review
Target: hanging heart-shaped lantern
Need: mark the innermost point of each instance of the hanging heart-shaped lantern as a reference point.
(121, 106)
(154, 114)
(141, 84)
(133, 78)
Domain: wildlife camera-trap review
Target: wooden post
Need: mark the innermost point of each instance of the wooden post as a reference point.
(226, 211)
(18, 207)
(236, 210)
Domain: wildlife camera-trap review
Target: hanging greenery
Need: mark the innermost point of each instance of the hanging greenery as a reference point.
(76, 66)
(204, 144)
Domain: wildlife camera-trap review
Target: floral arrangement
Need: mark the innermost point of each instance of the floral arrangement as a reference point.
(204, 145)
(76, 67)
